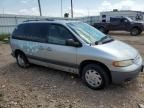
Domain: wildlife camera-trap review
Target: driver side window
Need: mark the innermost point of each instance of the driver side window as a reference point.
(58, 34)
(124, 21)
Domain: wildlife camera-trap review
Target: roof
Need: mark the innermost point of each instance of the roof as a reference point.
(123, 11)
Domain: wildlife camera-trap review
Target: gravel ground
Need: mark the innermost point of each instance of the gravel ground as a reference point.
(40, 87)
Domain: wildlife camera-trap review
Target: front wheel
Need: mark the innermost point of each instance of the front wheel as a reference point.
(95, 77)
(135, 32)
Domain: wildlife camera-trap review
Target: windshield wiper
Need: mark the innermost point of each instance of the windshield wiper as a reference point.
(106, 38)
(103, 38)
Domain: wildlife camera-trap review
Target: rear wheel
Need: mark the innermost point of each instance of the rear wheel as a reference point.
(95, 77)
(22, 61)
(135, 31)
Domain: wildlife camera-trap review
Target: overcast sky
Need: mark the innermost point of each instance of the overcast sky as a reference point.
(81, 7)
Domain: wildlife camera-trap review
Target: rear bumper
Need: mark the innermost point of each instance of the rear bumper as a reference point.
(120, 77)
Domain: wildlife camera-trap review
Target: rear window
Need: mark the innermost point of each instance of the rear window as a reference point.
(18, 32)
(33, 32)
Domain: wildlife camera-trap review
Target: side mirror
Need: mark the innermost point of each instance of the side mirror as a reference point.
(71, 42)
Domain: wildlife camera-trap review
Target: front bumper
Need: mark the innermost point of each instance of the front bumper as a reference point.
(120, 77)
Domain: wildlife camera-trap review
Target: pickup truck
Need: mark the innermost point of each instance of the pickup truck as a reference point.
(121, 24)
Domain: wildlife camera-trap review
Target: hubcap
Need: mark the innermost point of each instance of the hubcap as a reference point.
(135, 31)
(21, 61)
(93, 78)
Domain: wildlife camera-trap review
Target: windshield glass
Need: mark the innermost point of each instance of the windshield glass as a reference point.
(129, 19)
(88, 33)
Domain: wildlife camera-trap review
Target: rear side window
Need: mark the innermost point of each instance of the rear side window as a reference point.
(37, 32)
(18, 32)
(115, 20)
(58, 34)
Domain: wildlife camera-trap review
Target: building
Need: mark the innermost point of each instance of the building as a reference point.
(135, 15)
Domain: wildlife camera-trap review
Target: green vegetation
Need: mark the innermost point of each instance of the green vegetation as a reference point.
(4, 37)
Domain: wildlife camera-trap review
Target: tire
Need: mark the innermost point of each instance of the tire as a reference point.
(22, 60)
(95, 77)
(135, 31)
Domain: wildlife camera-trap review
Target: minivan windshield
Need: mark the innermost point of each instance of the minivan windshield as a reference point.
(88, 33)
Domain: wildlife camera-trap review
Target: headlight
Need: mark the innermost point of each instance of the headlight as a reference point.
(123, 63)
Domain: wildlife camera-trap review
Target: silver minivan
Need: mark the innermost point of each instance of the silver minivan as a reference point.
(78, 48)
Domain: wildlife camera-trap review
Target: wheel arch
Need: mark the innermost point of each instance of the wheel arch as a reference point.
(86, 62)
(18, 51)
(136, 27)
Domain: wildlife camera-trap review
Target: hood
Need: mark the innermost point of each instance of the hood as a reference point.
(118, 49)
(138, 22)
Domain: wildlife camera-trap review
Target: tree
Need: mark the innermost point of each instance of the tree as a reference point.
(66, 15)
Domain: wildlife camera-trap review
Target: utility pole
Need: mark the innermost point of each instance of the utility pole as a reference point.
(61, 8)
(39, 7)
(72, 8)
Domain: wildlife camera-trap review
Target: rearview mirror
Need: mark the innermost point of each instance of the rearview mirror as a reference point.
(71, 42)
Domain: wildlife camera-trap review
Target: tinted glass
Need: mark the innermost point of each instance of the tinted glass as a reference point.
(103, 16)
(58, 35)
(115, 19)
(129, 19)
(33, 32)
(36, 32)
(18, 32)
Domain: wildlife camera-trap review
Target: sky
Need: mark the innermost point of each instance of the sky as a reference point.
(52, 8)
